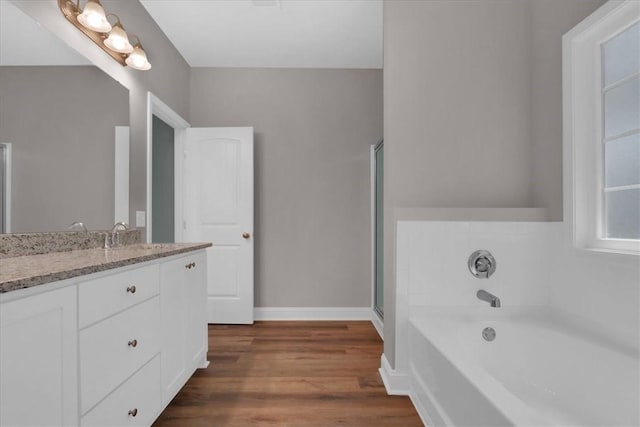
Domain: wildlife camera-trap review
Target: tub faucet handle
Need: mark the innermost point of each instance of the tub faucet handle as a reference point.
(481, 264)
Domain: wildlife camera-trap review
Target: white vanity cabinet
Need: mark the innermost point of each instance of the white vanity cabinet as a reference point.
(111, 348)
(38, 360)
(184, 323)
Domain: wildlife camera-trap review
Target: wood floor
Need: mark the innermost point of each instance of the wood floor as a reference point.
(290, 374)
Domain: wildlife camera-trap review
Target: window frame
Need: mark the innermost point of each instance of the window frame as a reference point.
(583, 124)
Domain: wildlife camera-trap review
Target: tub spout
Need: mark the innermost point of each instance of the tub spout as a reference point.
(488, 297)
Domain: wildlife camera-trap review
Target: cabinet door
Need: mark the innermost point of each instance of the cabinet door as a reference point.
(196, 289)
(173, 307)
(183, 301)
(38, 360)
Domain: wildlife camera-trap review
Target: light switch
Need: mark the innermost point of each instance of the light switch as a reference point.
(141, 219)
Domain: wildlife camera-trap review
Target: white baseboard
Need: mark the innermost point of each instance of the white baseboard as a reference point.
(396, 383)
(377, 323)
(312, 313)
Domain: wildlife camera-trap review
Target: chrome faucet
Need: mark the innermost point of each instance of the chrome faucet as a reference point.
(488, 297)
(115, 241)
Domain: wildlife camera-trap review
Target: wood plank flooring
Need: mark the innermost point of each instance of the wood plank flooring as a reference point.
(290, 374)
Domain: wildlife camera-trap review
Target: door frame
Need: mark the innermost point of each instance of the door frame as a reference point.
(155, 107)
(376, 319)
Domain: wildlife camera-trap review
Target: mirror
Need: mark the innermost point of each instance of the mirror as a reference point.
(58, 116)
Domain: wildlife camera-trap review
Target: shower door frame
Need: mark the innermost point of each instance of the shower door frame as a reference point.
(377, 314)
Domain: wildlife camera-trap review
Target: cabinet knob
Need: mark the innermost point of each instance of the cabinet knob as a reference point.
(133, 412)
(133, 343)
(246, 235)
(131, 289)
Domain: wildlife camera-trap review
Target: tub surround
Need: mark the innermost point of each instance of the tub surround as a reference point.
(33, 270)
(554, 307)
(21, 244)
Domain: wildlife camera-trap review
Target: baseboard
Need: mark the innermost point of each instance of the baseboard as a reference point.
(396, 383)
(312, 313)
(377, 323)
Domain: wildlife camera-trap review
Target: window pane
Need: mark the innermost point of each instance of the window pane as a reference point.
(622, 161)
(622, 55)
(622, 108)
(622, 210)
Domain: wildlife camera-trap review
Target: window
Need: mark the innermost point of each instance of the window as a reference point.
(621, 135)
(602, 127)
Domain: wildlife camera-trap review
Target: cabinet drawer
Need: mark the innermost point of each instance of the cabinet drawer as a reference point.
(112, 350)
(139, 395)
(100, 298)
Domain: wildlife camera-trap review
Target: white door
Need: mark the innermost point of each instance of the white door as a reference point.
(218, 208)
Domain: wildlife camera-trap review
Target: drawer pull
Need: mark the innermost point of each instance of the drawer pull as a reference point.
(133, 412)
(190, 265)
(133, 343)
(131, 289)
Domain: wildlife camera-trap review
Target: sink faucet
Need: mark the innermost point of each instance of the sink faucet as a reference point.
(115, 242)
(488, 297)
(78, 226)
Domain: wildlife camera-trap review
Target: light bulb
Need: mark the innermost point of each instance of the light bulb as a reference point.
(118, 41)
(138, 59)
(93, 17)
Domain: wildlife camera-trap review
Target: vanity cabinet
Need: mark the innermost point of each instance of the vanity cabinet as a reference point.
(112, 348)
(38, 360)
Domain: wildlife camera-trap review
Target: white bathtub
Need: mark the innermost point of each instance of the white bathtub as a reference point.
(539, 371)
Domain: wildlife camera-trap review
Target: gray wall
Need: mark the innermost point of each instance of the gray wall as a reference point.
(550, 19)
(313, 129)
(62, 143)
(168, 79)
(472, 109)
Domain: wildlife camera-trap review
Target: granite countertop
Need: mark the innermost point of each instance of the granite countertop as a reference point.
(33, 270)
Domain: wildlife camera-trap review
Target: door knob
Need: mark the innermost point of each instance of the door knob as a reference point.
(246, 235)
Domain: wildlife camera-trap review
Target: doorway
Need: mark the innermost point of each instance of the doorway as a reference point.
(171, 127)
(163, 183)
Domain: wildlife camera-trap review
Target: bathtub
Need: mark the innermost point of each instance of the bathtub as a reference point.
(540, 370)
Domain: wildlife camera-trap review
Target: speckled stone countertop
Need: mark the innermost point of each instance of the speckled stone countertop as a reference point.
(21, 244)
(33, 270)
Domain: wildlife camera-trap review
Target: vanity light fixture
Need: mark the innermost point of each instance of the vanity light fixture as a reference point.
(113, 39)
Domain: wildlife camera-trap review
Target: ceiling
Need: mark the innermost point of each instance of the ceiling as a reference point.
(273, 33)
(35, 44)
